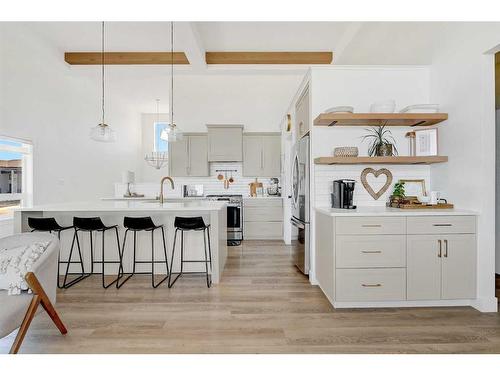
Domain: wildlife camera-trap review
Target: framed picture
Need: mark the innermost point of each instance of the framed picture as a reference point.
(426, 142)
(414, 188)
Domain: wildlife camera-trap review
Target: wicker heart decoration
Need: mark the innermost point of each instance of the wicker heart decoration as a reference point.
(387, 173)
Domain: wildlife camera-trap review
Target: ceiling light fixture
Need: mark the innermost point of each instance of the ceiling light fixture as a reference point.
(157, 159)
(171, 133)
(102, 132)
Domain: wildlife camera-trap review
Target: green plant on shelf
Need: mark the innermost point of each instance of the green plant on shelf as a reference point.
(382, 142)
(399, 189)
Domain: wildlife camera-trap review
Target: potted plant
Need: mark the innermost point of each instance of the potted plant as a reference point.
(382, 142)
(398, 194)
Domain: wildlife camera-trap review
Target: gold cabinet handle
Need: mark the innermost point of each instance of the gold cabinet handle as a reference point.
(440, 248)
(371, 285)
(446, 248)
(371, 251)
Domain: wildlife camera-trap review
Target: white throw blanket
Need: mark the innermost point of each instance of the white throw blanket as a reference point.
(16, 262)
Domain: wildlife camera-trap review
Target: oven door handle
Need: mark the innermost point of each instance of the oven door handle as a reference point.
(297, 223)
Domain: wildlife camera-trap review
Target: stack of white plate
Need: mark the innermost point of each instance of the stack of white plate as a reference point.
(421, 108)
(383, 106)
(340, 109)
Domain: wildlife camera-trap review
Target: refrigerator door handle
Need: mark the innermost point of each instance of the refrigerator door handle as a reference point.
(297, 223)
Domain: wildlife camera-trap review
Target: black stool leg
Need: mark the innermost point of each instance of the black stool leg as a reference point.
(206, 258)
(153, 263)
(121, 272)
(59, 262)
(209, 252)
(83, 275)
(165, 249)
(103, 262)
(170, 283)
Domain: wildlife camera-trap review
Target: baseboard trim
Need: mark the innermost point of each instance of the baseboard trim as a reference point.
(487, 304)
(480, 304)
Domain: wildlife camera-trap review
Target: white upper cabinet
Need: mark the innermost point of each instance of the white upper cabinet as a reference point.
(302, 116)
(225, 142)
(189, 156)
(261, 155)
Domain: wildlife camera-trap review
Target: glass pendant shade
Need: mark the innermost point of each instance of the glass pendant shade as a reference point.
(102, 133)
(171, 134)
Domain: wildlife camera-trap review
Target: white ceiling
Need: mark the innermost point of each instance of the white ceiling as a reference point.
(353, 43)
(357, 43)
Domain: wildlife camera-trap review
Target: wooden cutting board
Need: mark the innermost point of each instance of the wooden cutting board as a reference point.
(439, 206)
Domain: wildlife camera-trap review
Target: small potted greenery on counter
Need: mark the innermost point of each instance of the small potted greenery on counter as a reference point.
(398, 195)
(382, 142)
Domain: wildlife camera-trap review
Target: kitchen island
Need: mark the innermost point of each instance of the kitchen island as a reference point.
(113, 212)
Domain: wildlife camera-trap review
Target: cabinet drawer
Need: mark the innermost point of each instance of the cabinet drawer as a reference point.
(263, 214)
(371, 284)
(262, 202)
(370, 225)
(371, 251)
(262, 230)
(441, 224)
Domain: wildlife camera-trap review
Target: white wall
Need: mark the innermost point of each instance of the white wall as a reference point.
(359, 87)
(462, 81)
(44, 101)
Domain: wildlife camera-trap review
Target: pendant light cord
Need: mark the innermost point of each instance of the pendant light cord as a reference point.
(102, 70)
(172, 74)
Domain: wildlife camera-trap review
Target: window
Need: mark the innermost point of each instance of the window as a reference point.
(161, 145)
(15, 172)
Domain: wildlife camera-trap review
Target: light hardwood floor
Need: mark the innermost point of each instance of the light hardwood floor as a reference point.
(263, 305)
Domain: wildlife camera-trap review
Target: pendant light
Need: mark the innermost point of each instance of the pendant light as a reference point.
(157, 159)
(102, 132)
(172, 132)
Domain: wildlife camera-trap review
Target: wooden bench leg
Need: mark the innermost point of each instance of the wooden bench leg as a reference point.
(39, 297)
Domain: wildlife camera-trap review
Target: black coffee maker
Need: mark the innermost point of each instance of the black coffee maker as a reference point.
(343, 194)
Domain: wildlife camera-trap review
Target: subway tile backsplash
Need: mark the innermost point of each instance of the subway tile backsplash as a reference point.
(211, 184)
(324, 175)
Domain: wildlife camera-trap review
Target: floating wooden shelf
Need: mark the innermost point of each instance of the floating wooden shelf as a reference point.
(377, 119)
(381, 160)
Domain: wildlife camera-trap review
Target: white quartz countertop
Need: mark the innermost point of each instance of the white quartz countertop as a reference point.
(390, 211)
(110, 206)
(264, 197)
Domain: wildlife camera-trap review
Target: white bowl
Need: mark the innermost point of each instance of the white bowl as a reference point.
(340, 109)
(424, 199)
(383, 106)
(421, 108)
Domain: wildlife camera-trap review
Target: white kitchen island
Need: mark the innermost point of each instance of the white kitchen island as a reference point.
(113, 212)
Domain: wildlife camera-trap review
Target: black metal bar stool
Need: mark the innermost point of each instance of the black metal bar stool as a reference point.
(91, 225)
(49, 224)
(184, 224)
(139, 224)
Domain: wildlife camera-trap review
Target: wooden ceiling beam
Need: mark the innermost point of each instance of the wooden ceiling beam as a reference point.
(309, 58)
(125, 58)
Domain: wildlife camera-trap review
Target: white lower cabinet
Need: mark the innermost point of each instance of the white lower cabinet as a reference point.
(263, 219)
(441, 266)
(396, 260)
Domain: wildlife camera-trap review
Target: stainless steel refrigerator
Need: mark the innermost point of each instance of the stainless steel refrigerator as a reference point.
(300, 203)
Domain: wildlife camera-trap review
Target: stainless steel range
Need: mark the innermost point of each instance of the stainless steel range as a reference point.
(234, 216)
